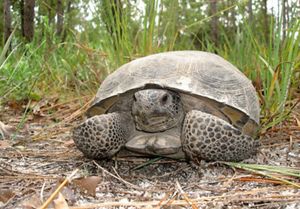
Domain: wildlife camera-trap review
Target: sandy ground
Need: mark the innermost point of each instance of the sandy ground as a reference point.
(34, 163)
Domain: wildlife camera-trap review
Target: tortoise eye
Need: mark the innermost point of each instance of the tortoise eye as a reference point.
(164, 99)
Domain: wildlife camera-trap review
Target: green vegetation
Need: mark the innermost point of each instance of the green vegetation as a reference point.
(279, 173)
(263, 45)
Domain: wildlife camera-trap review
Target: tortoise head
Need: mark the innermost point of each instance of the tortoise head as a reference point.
(156, 110)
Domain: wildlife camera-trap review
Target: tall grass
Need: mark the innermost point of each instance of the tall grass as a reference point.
(279, 63)
(36, 70)
(269, 63)
(84, 60)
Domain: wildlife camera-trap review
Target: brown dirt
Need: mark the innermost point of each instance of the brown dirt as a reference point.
(36, 160)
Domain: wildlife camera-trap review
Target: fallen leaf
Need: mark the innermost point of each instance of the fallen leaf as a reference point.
(32, 202)
(67, 192)
(40, 108)
(60, 202)
(69, 143)
(87, 184)
(69, 195)
(4, 144)
(5, 196)
(18, 106)
(36, 107)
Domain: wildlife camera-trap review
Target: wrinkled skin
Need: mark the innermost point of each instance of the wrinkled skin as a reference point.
(155, 111)
(158, 125)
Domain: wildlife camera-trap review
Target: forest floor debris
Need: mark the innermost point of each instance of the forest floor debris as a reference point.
(35, 161)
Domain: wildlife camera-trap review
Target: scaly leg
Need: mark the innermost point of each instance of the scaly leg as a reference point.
(102, 136)
(205, 136)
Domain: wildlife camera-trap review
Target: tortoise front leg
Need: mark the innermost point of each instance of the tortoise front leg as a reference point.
(205, 136)
(102, 136)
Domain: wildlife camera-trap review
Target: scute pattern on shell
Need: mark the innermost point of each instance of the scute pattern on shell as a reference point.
(192, 72)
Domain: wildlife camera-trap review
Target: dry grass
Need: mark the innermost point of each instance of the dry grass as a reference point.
(34, 163)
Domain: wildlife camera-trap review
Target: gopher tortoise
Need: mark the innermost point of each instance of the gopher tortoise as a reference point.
(182, 104)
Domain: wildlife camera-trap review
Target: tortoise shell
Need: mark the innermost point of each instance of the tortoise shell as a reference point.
(201, 78)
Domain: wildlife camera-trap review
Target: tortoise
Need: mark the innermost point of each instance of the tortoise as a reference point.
(182, 104)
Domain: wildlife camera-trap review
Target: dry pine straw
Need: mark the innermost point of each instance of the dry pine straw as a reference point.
(43, 156)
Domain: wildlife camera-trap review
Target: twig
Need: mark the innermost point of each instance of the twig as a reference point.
(53, 195)
(78, 112)
(164, 199)
(149, 162)
(188, 200)
(42, 192)
(119, 178)
(170, 201)
(284, 198)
